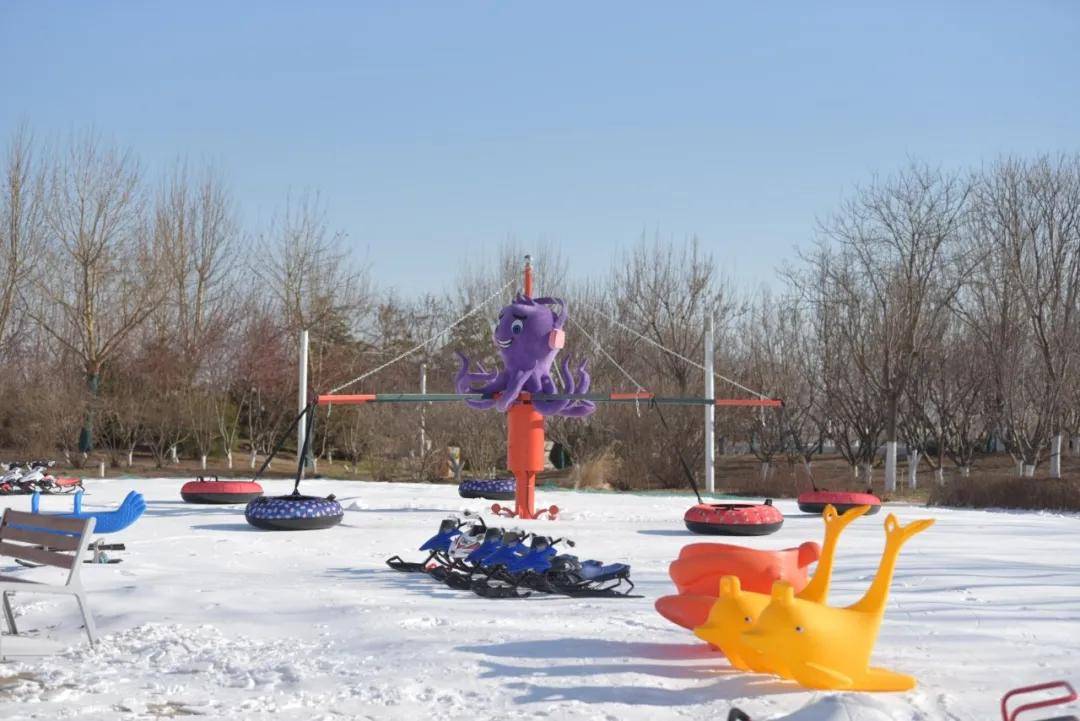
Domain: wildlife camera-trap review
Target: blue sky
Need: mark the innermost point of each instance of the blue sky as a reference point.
(434, 130)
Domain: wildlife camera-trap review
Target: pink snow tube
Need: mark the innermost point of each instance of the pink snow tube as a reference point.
(215, 491)
(842, 501)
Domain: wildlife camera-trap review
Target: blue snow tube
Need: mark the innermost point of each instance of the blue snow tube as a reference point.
(496, 489)
(293, 512)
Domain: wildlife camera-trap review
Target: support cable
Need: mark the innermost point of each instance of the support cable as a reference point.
(430, 340)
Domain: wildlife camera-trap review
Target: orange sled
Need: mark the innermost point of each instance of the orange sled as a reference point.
(699, 567)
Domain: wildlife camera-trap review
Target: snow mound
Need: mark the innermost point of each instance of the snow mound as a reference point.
(842, 708)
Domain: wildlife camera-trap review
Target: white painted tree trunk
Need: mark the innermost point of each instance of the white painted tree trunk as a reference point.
(765, 471)
(939, 474)
(855, 472)
(131, 458)
(202, 459)
(868, 474)
(1029, 471)
(173, 456)
(228, 459)
(101, 469)
(1055, 456)
(965, 471)
(1020, 468)
(314, 465)
(890, 466)
(809, 468)
(913, 469)
(1076, 446)
(253, 456)
(330, 458)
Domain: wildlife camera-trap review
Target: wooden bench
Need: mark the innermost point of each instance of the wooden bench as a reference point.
(47, 540)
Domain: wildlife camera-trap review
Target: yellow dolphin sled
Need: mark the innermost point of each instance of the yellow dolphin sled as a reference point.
(736, 611)
(822, 647)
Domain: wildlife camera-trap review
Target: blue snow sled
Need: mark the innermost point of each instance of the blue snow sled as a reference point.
(437, 547)
(130, 510)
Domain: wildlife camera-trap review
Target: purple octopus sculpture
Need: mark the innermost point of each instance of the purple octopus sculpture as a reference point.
(528, 336)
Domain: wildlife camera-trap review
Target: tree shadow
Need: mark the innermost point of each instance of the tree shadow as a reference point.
(667, 532)
(580, 648)
(734, 686)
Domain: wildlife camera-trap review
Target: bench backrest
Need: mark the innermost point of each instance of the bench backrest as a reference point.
(45, 539)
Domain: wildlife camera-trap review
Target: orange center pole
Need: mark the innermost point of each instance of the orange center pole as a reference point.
(525, 452)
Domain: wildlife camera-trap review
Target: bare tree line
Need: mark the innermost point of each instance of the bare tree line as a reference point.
(934, 317)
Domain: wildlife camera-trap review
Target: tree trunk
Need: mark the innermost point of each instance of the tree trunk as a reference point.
(965, 471)
(1055, 456)
(868, 474)
(93, 384)
(913, 469)
(203, 459)
(1076, 446)
(939, 474)
(173, 456)
(1020, 468)
(228, 459)
(253, 456)
(130, 457)
(1029, 470)
(765, 470)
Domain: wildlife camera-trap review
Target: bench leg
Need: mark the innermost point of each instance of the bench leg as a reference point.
(88, 619)
(8, 615)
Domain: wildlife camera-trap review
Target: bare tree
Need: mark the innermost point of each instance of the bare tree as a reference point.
(22, 207)
(312, 277)
(898, 267)
(103, 280)
(1026, 305)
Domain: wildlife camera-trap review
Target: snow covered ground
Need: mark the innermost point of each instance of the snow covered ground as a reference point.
(208, 616)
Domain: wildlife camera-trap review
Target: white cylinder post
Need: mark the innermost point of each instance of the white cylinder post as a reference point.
(710, 410)
(1055, 457)
(302, 399)
(890, 466)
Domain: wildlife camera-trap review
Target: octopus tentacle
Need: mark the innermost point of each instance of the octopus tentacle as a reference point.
(584, 379)
(512, 390)
(465, 380)
(580, 409)
(551, 407)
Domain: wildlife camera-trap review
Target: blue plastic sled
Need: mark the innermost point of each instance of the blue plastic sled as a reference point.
(105, 521)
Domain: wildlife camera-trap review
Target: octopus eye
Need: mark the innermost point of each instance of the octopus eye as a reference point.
(798, 629)
(747, 619)
(517, 326)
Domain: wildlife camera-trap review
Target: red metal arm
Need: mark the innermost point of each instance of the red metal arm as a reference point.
(1068, 697)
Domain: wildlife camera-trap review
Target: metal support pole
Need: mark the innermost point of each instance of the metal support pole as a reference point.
(423, 419)
(710, 410)
(302, 393)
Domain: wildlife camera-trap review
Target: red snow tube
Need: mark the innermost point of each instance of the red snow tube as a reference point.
(204, 490)
(815, 501)
(734, 519)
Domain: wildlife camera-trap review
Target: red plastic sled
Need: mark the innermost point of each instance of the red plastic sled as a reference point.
(698, 569)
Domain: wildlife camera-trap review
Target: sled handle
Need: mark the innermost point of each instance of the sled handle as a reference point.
(1068, 697)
